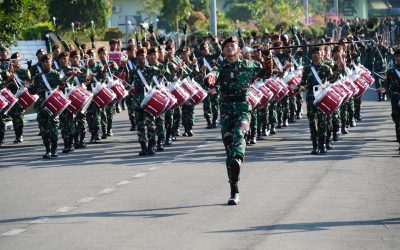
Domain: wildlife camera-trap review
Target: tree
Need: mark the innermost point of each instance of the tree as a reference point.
(240, 11)
(152, 7)
(175, 12)
(80, 11)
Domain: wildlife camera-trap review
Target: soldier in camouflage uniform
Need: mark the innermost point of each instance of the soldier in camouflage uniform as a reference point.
(392, 84)
(108, 67)
(234, 78)
(43, 84)
(144, 119)
(80, 118)
(129, 70)
(94, 112)
(189, 69)
(156, 69)
(317, 119)
(67, 124)
(211, 102)
(4, 75)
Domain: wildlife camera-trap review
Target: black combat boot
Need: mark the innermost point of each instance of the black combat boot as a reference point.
(379, 97)
(103, 130)
(150, 148)
(133, 125)
(298, 111)
(352, 122)
(315, 150)
(76, 140)
(285, 122)
(168, 139)
(209, 124)
(190, 130)
(117, 108)
(82, 141)
(335, 132)
(109, 130)
(264, 130)
(234, 199)
(273, 130)
(215, 120)
(65, 150)
(1, 138)
(259, 133)
(322, 145)
(54, 150)
(47, 154)
(279, 122)
(328, 141)
(343, 129)
(143, 146)
(71, 146)
(291, 117)
(186, 129)
(160, 144)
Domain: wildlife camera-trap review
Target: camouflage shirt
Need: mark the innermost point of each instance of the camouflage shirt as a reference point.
(392, 81)
(39, 87)
(24, 75)
(308, 81)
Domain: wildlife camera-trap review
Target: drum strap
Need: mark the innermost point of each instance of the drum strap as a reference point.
(76, 80)
(316, 75)
(278, 63)
(155, 80)
(397, 72)
(46, 82)
(295, 62)
(207, 64)
(18, 80)
(39, 69)
(56, 64)
(130, 65)
(143, 79)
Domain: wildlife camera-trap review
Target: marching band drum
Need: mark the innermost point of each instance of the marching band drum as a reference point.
(56, 103)
(155, 102)
(80, 99)
(25, 99)
(10, 98)
(103, 96)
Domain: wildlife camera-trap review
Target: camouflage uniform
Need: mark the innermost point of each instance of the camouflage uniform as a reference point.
(376, 63)
(283, 105)
(392, 83)
(129, 69)
(49, 125)
(234, 82)
(93, 113)
(317, 119)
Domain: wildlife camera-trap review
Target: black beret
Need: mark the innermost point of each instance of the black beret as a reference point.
(232, 39)
(15, 55)
(316, 49)
(141, 51)
(73, 53)
(152, 50)
(40, 51)
(64, 54)
(101, 49)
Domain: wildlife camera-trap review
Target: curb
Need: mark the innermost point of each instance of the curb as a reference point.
(30, 117)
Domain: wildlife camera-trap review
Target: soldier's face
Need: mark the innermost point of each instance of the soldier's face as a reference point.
(102, 55)
(247, 56)
(397, 59)
(3, 55)
(153, 57)
(316, 57)
(46, 65)
(231, 49)
(141, 58)
(75, 60)
(56, 53)
(63, 61)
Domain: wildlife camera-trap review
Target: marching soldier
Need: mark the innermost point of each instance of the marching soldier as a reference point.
(43, 84)
(234, 80)
(315, 75)
(130, 71)
(392, 83)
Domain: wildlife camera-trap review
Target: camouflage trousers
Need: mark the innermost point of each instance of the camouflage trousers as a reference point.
(49, 126)
(357, 107)
(317, 121)
(211, 107)
(347, 111)
(295, 103)
(17, 117)
(107, 117)
(93, 118)
(262, 118)
(187, 116)
(283, 109)
(160, 126)
(176, 119)
(272, 114)
(235, 124)
(67, 124)
(80, 120)
(253, 123)
(395, 101)
(130, 103)
(145, 120)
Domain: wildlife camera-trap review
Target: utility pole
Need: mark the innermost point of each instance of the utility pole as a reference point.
(305, 2)
(336, 3)
(213, 17)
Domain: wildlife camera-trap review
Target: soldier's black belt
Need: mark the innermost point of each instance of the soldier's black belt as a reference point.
(234, 99)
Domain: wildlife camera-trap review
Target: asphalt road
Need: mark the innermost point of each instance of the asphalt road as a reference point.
(107, 197)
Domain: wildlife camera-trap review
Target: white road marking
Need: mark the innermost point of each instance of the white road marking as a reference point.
(106, 191)
(14, 232)
(168, 162)
(65, 209)
(139, 175)
(202, 146)
(86, 199)
(121, 183)
(180, 156)
(192, 150)
(153, 168)
(40, 220)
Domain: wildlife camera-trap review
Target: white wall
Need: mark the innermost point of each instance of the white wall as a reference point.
(27, 50)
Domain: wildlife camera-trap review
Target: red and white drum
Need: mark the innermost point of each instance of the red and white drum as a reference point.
(328, 100)
(172, 100)
(178, 92)
(367, 77)
(292, 80)
(118, 88)
(55, 103)
(187, 85)
(268, 95)
(80, 100)
(25, 99)
(279, 90)
(361, 67)
(154, 102)
(3, 103)
(199, 96)
(299, 72)
(346, 92)
(361, 84)
(11, 100)
(103, 96)
(253, 100)
(351, 86)
(115, 56)
(261, 100)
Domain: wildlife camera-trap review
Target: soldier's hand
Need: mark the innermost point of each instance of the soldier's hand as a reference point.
(203, 68)
(381, 90)
(29, 63)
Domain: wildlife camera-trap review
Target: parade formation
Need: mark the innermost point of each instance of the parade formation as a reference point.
(249, 86)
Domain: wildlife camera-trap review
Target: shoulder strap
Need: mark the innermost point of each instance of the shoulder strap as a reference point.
(316, 75)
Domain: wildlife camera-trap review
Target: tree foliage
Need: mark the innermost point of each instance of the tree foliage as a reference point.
(240, 11)
(80, 11)
(175, 12)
